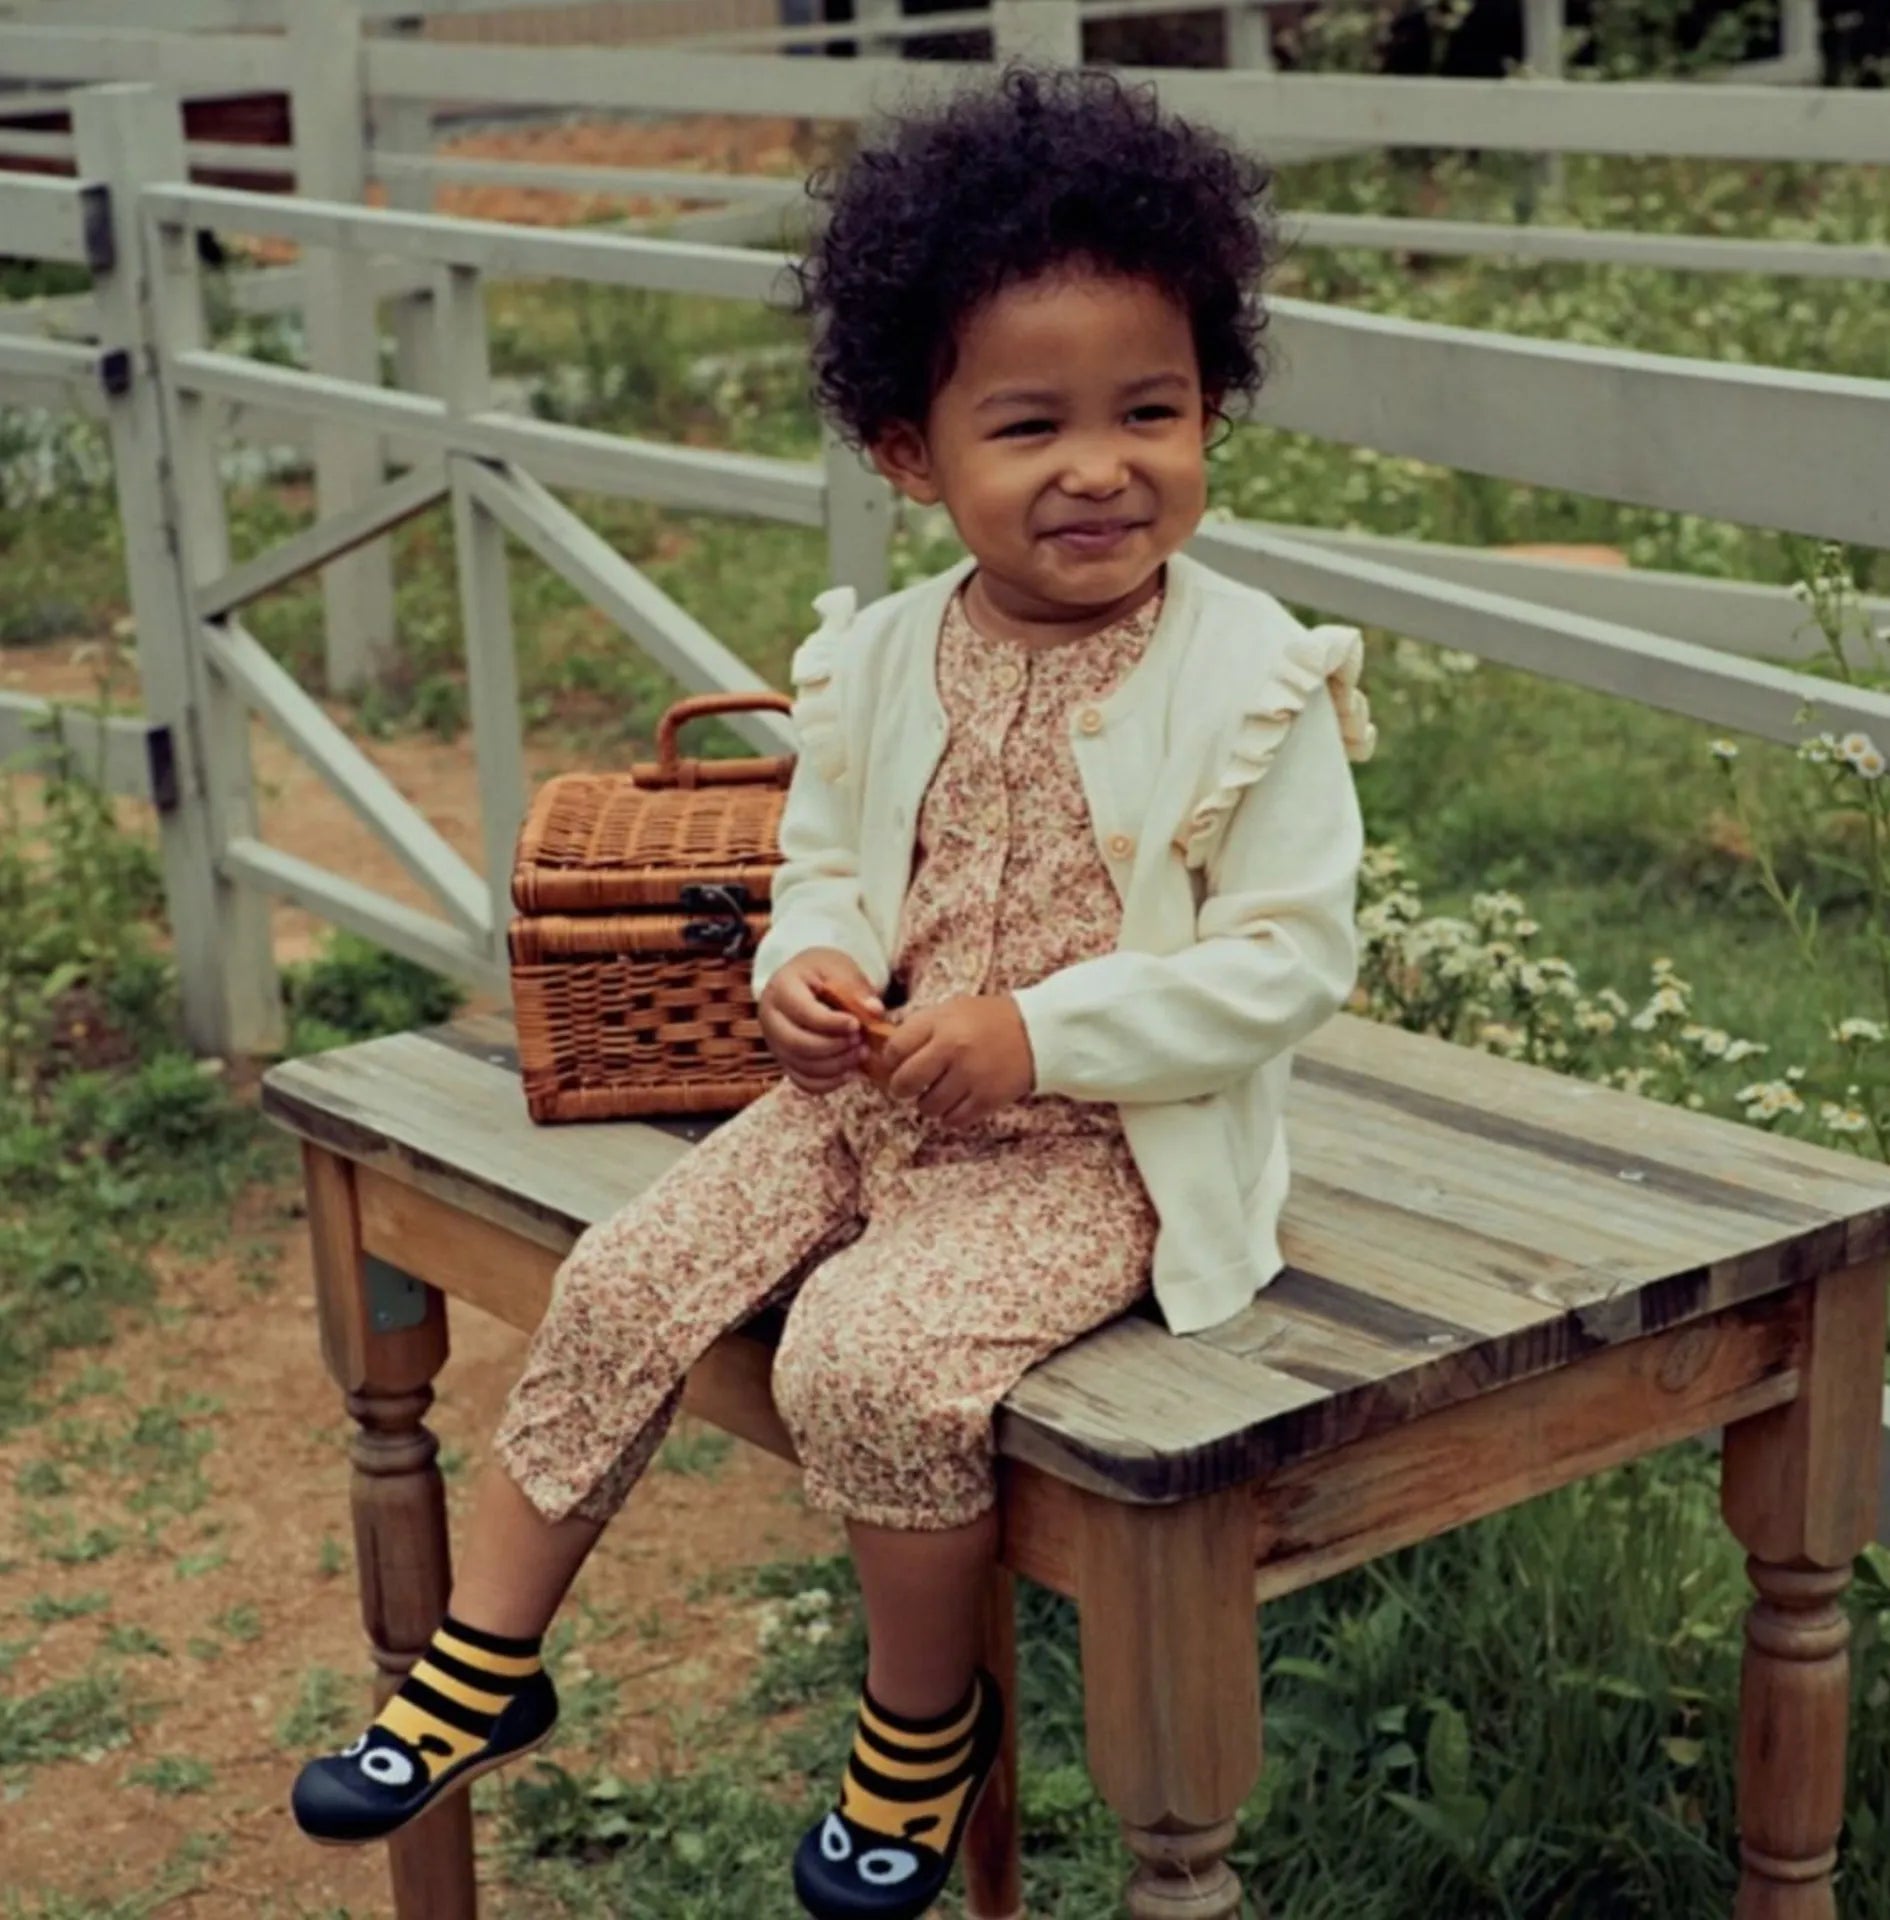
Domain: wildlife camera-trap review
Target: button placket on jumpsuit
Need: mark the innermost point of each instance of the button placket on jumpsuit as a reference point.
(944, 1264)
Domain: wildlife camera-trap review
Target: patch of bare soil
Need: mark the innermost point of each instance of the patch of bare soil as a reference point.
(272, 1539)
(704, 143)
(299, 811)
(240, 1329)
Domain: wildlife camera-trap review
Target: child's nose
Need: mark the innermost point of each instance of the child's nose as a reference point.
(1096, 467)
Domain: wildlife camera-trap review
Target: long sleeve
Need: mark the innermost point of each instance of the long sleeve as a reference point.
(817, 899)
(1275, 952)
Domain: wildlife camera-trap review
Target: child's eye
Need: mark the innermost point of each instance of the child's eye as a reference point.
(1025, 429)
(1156, 410)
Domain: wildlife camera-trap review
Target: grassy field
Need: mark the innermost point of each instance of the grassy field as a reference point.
(1529, 1720)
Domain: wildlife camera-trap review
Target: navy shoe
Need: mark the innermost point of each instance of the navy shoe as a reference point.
(374, 1787)
(844, 1871)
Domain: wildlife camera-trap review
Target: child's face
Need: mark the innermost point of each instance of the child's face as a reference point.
(1067, 444)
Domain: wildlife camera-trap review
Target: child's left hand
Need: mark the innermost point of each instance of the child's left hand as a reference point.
(962, 1061)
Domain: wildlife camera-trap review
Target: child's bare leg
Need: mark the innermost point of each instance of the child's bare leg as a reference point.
(930, 1728)
(924, 1596)
(516, 1566)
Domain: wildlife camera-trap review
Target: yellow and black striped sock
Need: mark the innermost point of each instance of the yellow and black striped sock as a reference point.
(448, 1704)
(908, 1779)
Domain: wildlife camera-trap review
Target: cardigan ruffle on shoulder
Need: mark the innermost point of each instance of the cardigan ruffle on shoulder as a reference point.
(819, 715)
(1332, 654)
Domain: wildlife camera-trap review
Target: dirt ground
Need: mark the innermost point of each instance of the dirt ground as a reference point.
(241, 1329)
(273, 1534)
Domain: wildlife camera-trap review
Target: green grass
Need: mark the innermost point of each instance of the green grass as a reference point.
(700, 1451)
(44, 1608)
(89, 1715)
(173, 1775)
(322, 1714)
(1531, 1717)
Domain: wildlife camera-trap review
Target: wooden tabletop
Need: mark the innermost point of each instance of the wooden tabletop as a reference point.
(1457, 1223)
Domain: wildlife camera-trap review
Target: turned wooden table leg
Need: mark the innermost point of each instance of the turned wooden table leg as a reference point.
(399, 1503)
(1799, 1490)
(1171, 1685)
(994, 1887)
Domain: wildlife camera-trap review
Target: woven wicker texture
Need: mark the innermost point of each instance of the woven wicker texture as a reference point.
(608, 1032)
(621, 1012)
(599, 842)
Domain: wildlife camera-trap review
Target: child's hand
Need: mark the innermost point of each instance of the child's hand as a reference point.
(962, 1061)
(819, 1047)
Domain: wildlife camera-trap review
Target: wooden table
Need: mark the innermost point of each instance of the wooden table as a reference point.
(1502, 1280)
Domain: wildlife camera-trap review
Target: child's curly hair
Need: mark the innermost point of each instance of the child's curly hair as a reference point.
(1007, 182)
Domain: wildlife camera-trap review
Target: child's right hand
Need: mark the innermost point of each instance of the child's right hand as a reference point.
(819, 1048)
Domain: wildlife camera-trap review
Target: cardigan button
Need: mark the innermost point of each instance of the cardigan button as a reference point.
(1090, 720)
(1120, 846)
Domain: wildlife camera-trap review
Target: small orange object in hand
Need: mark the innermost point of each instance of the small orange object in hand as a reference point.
(876, 1027)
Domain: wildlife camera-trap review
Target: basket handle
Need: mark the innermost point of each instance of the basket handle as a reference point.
(671, 770)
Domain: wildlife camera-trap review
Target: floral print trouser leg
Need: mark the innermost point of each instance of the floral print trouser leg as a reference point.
(972, 1257)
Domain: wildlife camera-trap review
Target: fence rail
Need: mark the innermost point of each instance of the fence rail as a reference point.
(1513, 116)
(1662, 431)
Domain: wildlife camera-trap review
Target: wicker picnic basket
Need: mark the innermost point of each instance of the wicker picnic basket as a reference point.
(639, 899)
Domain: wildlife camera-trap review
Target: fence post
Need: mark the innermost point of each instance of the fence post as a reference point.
(325, 41)
(406, 127)
(130, 137)
(1249, 39)
(859, 520)
(1545, 29)
(1801, 38)
(871, 13)
(485, 598)
(1049, 33)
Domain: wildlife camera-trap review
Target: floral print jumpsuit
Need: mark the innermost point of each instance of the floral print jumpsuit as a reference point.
(929, 1269)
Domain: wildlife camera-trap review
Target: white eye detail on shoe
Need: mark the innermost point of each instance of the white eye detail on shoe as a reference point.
(886, 1866)
(835, 1842)
(357, 1745)
(387, 1768)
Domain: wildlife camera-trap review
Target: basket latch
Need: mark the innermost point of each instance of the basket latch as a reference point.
(723, 923)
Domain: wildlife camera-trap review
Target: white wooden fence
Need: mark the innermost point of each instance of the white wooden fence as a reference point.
(375, 96)
(1665, 431)
(1661, 430)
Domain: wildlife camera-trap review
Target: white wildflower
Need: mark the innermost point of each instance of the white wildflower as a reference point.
(1869, 765)
(1854, 746)
(1497, 906)
(1527, 929)
(1839, 1119)
(1744, 1050)
(1766, 1100)
(816, 1631)
(1857, 1032)
(1596, 1020)
(1668, 1003)
(1725, 750)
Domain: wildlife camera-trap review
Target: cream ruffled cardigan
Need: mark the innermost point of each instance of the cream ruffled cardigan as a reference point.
(1219, 792)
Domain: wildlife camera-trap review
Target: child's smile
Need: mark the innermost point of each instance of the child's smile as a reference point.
(1066, 444)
